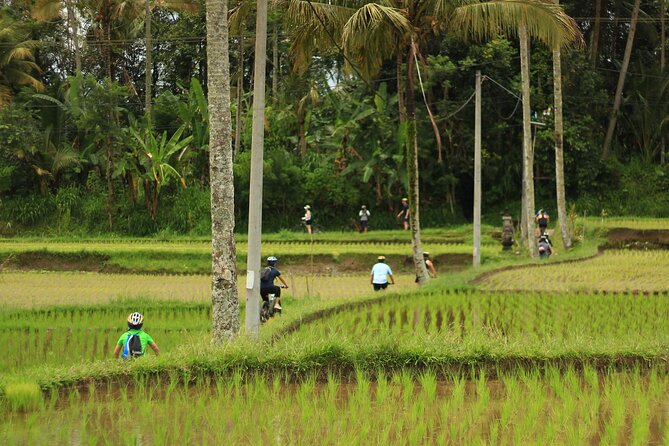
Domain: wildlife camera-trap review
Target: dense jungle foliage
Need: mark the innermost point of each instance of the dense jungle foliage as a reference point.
(79, 152)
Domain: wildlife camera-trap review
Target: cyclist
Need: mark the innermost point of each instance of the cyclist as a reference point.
(127, 339)
(542, 218)
(545, 246)
(380, 274)
(267, 276)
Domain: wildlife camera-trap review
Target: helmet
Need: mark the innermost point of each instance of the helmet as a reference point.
(381, 258)
(271, 260)
(135, 318)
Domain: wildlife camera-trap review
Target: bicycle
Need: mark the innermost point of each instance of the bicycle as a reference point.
(269, 306)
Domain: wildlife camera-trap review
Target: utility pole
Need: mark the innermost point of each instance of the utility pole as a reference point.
(255, 193)
(477, 173)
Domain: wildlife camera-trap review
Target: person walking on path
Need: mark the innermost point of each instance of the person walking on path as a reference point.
(308, 219)
(364, 218)
(404, 214)
(132, 343)
(380, 274)
(542, 218)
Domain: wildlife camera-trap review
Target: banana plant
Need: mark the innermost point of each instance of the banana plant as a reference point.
(156, 160)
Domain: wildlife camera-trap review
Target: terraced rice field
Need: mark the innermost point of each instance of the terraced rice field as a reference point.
(36, 289)
(613, 271)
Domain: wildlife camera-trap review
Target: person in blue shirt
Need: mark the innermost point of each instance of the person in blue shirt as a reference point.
(380, 274)
(267, 277)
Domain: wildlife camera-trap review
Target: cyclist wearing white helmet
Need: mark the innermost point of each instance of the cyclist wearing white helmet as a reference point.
(133, 342)
(267, 276)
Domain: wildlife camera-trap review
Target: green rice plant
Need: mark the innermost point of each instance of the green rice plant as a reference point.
(22, 396)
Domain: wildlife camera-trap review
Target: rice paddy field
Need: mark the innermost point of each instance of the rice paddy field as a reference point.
(521, 352)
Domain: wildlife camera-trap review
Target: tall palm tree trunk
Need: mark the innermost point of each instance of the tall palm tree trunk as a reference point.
(149, 59)
(225, 303)
(559, 147)
(412, 171)
(240, 95)
(613, 119)
(73, 23)
(275, 64)
(594, 48)
(528, 154)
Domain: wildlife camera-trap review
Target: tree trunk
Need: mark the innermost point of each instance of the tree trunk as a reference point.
(301, 131)
(275, 63)
(400, 93)
(594, 48)
(412, 172)
(240, 95)
(559, 148)
(73, 23)
(663, 39)
(528, 153)
(149, 59)
(225, 303)
(613, 119)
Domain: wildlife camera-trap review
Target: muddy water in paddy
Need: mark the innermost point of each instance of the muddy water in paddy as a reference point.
(556, 408)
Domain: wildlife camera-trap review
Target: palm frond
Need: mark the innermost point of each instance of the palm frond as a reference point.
(45, 10)
(240, 15)
(369, 33)
(316, 26)
(545, 21)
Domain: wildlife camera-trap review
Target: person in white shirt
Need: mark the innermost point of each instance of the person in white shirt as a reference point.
(380, 274)
(364, 218)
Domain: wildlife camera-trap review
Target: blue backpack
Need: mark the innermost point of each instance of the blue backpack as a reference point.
(132, 347)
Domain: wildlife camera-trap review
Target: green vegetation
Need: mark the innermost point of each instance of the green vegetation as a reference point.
(452, 361)
(525, 405)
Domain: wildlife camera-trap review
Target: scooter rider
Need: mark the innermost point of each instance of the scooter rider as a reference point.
(267, 276)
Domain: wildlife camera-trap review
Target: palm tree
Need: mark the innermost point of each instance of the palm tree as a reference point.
(225, 303)
(46, 10)
(559, 147)
(371, 32)
(618, 99)
(17, 62)
(548, 23)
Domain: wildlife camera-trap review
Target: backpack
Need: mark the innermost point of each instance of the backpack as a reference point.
(266, 274)
(132, 347)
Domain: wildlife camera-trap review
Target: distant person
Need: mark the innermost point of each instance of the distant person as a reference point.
(429, 266)
(267, 277)
(542, 218)
(132, 343)
(364, 218)
(545, 246)
(380, 274)
(308, 219)
(403, 215)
